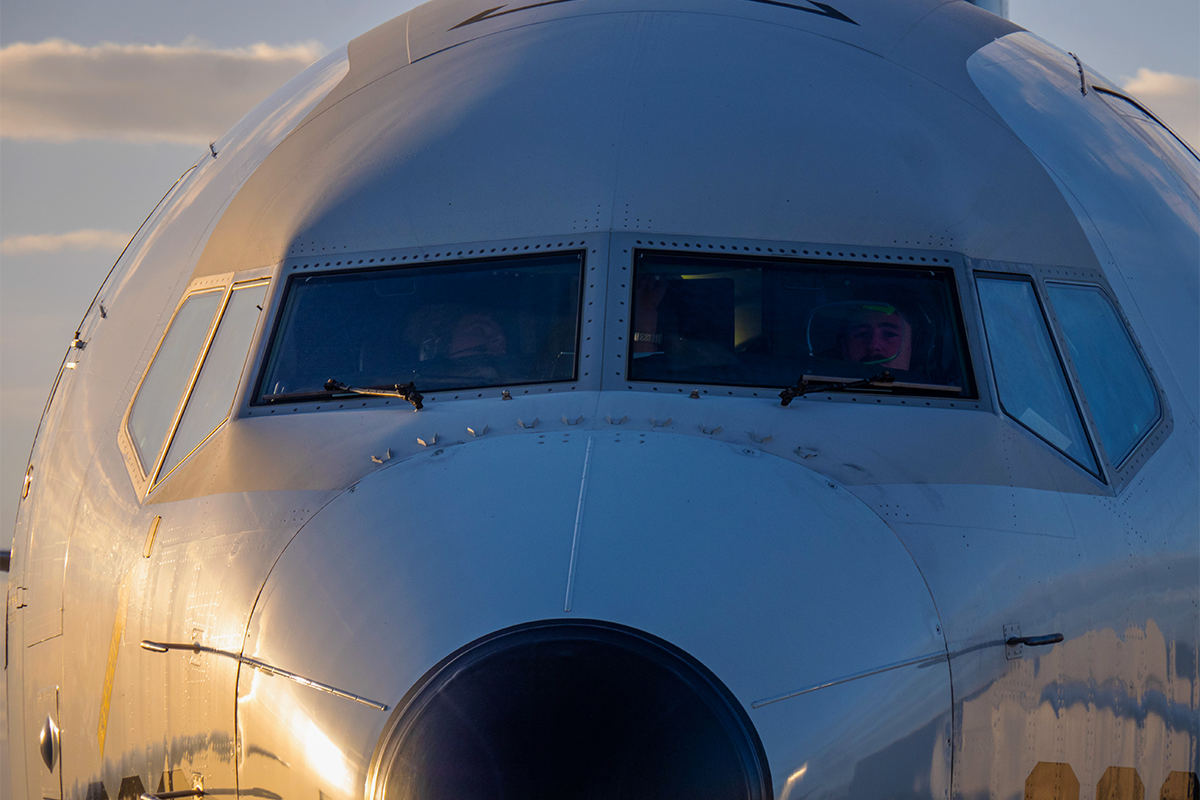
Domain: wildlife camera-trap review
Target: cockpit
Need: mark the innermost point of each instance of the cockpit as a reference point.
(703, 320)
(509, 322)
(1050, 348)
(752, 322)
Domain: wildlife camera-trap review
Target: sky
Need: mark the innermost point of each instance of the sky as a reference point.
(104, 105)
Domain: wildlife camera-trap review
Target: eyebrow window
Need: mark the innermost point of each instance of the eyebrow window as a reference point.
(767, 322)
(158, 397)
(458, 326)
(1117, 385)
(1030, 378)
(212, 397)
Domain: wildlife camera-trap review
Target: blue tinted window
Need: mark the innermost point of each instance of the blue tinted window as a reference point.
(766, 322)
(1029, 375)
(1115, 382)
(454, 326)
(158, 398)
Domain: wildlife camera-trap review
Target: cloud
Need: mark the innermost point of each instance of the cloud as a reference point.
(190, 93)
(1175, 99)
(86, 239)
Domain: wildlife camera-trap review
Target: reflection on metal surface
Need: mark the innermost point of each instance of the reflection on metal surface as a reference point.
(927, 658)
(1052, 781)
(110, 671)
(48, 744)
(1180, 786)
(1120, 783)
(163, 647)
(792, 780)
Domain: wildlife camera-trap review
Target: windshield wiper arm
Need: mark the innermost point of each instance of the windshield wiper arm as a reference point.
(817, 383)
(884, 380)
(405, 391)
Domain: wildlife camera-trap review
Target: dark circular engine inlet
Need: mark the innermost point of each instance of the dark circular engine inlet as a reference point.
(581, 710)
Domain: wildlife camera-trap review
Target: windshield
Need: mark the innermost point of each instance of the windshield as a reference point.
(459, 326)
(761, 322)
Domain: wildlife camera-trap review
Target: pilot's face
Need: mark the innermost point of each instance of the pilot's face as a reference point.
(876, 337)
(477, 335)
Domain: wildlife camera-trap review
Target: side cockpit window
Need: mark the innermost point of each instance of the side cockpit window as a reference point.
(189, 389)
(1030, 378)
(463, 325)
(1120, 394)
(212, 397)
(770, 322)
(158, 397)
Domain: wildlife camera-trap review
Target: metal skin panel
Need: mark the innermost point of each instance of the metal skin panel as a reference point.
(841, 534)
(560, 126)
(676, 537)
(73, 457)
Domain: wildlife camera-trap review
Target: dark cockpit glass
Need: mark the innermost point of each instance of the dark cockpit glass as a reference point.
(459, 326)
(767, 322)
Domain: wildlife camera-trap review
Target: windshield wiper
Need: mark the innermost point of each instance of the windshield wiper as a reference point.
(884, 380)
(405, 391)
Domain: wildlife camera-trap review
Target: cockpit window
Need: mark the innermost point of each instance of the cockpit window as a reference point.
(1118, 388)
(457, 326)
(763, 322)
(153, 410)
(212, 397)
(1030, 378)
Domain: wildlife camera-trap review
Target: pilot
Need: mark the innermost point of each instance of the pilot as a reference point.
(477, 335)
(878, 333)
(649, 293)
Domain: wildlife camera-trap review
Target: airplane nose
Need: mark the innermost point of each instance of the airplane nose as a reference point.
(556, 567)
(576, 709)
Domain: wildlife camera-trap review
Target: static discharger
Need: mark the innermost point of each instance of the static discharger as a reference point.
(196, 647)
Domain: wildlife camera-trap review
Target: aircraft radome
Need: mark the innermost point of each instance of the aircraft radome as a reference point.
(635, 399)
